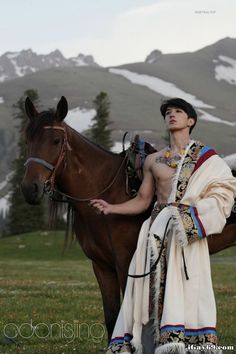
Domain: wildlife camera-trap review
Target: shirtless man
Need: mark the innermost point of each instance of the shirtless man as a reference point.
(160, 166)
(178, 299)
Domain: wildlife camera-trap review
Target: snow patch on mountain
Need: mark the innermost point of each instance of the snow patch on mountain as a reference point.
(3, 78)
(1, 100)
(12, 55)
(226, 72)
(80, 119)
(210, 118)
(170, 90)
(78, 62)
(160, 86)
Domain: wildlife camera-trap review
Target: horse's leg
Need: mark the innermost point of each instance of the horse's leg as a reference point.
(219, 242)
(110, 290)
(122, 270)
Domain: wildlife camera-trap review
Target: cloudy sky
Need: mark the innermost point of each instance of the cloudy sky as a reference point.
(114, 31)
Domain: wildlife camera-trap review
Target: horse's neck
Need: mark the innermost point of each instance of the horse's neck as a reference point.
(88, 153)
(89, 169)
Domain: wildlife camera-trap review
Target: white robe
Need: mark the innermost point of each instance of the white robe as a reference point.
(189, 305)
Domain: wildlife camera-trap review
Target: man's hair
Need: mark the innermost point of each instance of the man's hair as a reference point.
(182, 104)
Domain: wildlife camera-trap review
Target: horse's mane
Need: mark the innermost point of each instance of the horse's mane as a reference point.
(91, 143)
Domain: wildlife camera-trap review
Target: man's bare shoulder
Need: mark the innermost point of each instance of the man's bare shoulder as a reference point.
(157, 154)
(152, 157)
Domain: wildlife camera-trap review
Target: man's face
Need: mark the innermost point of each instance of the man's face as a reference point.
(177, 119)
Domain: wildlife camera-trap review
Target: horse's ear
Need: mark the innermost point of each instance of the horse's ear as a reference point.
(62, 108)
(30, 109)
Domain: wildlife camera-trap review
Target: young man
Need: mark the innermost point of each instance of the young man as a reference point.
(195, 192)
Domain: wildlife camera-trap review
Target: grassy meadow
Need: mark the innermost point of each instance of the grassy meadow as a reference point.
(51, 304)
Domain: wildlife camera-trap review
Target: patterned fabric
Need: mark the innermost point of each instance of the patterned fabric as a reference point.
(168, 298)
(178, 336)
(192, 224)
(187, 168)
(195, 156)
(120, 348)
(121, 345)
(152, 295)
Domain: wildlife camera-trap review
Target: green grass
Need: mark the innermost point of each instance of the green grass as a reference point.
(59, 296)
(223, 274)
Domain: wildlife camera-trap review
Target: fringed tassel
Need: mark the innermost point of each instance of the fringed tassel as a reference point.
(136, 341)
(178, 227)
(139, 350)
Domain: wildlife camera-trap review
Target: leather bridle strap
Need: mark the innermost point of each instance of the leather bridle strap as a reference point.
(48, 165)
(41, 162)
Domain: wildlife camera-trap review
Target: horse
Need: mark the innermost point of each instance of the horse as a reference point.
(59, 158)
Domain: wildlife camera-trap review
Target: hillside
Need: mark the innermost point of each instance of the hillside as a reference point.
(207, 75)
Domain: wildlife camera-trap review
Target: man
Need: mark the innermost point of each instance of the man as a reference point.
(172, 290)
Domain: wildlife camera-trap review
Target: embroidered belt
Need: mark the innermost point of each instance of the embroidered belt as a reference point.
(176, 204)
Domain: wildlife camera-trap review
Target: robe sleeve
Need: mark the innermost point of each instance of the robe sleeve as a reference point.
(208, 215)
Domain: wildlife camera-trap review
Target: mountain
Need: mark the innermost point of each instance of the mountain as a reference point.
(18, 64)
(206, 77)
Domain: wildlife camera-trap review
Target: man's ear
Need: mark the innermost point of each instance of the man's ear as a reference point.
(191, 122)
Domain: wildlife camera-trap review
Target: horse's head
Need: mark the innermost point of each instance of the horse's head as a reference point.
(46, 141)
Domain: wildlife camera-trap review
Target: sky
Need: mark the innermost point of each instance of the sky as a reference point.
(114, 31)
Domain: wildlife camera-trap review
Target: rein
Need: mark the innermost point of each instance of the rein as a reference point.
(49, 185)
(153, 267)
(87, 199)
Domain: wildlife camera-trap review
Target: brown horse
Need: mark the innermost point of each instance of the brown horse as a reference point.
(60, 157)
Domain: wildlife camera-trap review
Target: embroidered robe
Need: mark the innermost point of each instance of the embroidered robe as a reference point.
(178, 295)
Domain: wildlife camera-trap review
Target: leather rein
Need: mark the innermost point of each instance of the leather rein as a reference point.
(49, 184)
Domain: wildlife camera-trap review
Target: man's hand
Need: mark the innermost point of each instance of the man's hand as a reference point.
(101, 205)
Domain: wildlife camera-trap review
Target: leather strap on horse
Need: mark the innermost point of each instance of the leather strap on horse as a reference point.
(50, 183)
(68, 198)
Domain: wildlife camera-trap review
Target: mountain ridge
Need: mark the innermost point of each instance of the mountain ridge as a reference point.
(207, 74)
(18, 64)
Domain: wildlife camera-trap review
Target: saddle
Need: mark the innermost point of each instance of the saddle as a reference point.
(137, 153)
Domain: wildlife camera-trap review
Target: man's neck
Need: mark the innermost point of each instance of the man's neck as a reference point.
(179, 140)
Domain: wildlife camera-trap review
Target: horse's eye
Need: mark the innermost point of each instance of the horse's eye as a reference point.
(56, 141)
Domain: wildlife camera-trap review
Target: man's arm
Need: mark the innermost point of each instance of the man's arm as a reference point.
(136, 205)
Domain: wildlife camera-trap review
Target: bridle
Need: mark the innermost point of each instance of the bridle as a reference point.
(49, 184)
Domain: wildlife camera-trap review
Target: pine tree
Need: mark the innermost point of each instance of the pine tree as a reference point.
(99, 131)
(22, 217)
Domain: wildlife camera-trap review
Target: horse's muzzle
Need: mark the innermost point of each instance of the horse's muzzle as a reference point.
(33, 193)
